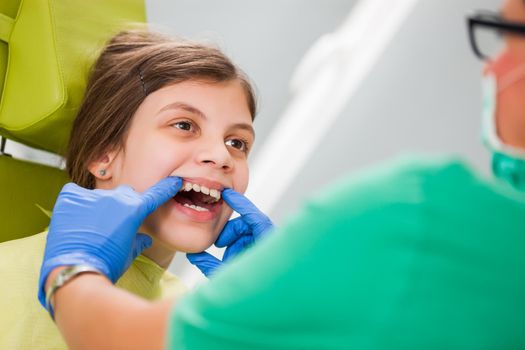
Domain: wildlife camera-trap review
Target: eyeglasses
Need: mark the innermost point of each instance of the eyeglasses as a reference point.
(488, 32)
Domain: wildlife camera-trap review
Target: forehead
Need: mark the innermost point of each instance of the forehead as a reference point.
(226, 100)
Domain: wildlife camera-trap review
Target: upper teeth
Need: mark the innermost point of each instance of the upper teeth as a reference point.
(188, 186)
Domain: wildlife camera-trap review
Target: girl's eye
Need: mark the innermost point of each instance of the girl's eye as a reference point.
(240, 145)
(186, 126)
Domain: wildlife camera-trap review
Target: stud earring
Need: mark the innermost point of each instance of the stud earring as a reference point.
(102, 172)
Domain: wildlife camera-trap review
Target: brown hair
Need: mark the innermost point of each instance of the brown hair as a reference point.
(133, 64)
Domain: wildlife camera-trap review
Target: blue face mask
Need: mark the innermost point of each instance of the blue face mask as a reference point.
(508, 163)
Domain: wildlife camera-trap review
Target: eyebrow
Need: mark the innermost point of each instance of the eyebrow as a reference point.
(244, 126)
(188, 108)
(184, 106)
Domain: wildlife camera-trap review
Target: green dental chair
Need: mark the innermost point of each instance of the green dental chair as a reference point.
(46, 50)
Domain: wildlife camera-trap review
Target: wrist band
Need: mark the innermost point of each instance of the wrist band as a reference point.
(61, 279)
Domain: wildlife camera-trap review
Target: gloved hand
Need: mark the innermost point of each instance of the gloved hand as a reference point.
(99, 227)
(237, 235)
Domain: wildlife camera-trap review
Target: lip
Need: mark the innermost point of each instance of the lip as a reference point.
(199, 216)
(211, 184)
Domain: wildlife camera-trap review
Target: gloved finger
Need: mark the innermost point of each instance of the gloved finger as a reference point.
(238, 246)
(126, 188)
(241, 205)
(205, 262)
(256, 219)
(231, 232)
(142, 242)
(160, 193)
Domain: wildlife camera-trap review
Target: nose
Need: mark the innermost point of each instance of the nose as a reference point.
(214, 153)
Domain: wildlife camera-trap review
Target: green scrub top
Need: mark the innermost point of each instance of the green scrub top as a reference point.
(419, 254)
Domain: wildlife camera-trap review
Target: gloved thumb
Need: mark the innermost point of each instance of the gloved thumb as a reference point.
(160, 193)
(205, 262)
(142, 241)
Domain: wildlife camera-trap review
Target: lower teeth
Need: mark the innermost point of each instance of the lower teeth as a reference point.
(195, 207)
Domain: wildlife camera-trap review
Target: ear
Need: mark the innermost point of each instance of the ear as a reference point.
(103, 169)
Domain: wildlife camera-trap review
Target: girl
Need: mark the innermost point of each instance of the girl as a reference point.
(153, 107)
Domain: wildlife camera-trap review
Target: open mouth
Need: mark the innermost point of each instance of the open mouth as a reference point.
(199, 197)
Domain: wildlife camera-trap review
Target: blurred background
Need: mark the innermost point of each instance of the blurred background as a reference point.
(341, 86)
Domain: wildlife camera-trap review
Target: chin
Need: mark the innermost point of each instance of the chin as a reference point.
(179, 232)
(188, 237)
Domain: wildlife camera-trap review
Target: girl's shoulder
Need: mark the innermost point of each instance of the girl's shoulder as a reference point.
(24, 253)
(27, 323)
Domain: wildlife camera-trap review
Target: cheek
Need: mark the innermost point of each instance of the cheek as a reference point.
(241, 178)
(147, 162)
(503, 64)
(511, 104)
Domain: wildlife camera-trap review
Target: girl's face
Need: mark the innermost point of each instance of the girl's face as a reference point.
(201, 132)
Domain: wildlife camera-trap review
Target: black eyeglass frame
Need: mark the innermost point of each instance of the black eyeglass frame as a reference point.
(491, 20)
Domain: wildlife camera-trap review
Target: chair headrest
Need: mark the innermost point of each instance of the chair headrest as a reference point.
(46, 50)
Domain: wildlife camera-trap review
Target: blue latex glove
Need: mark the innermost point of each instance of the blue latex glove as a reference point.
(99, 227)
(237, 235)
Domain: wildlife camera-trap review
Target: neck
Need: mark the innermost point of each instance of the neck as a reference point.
(159, 253)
